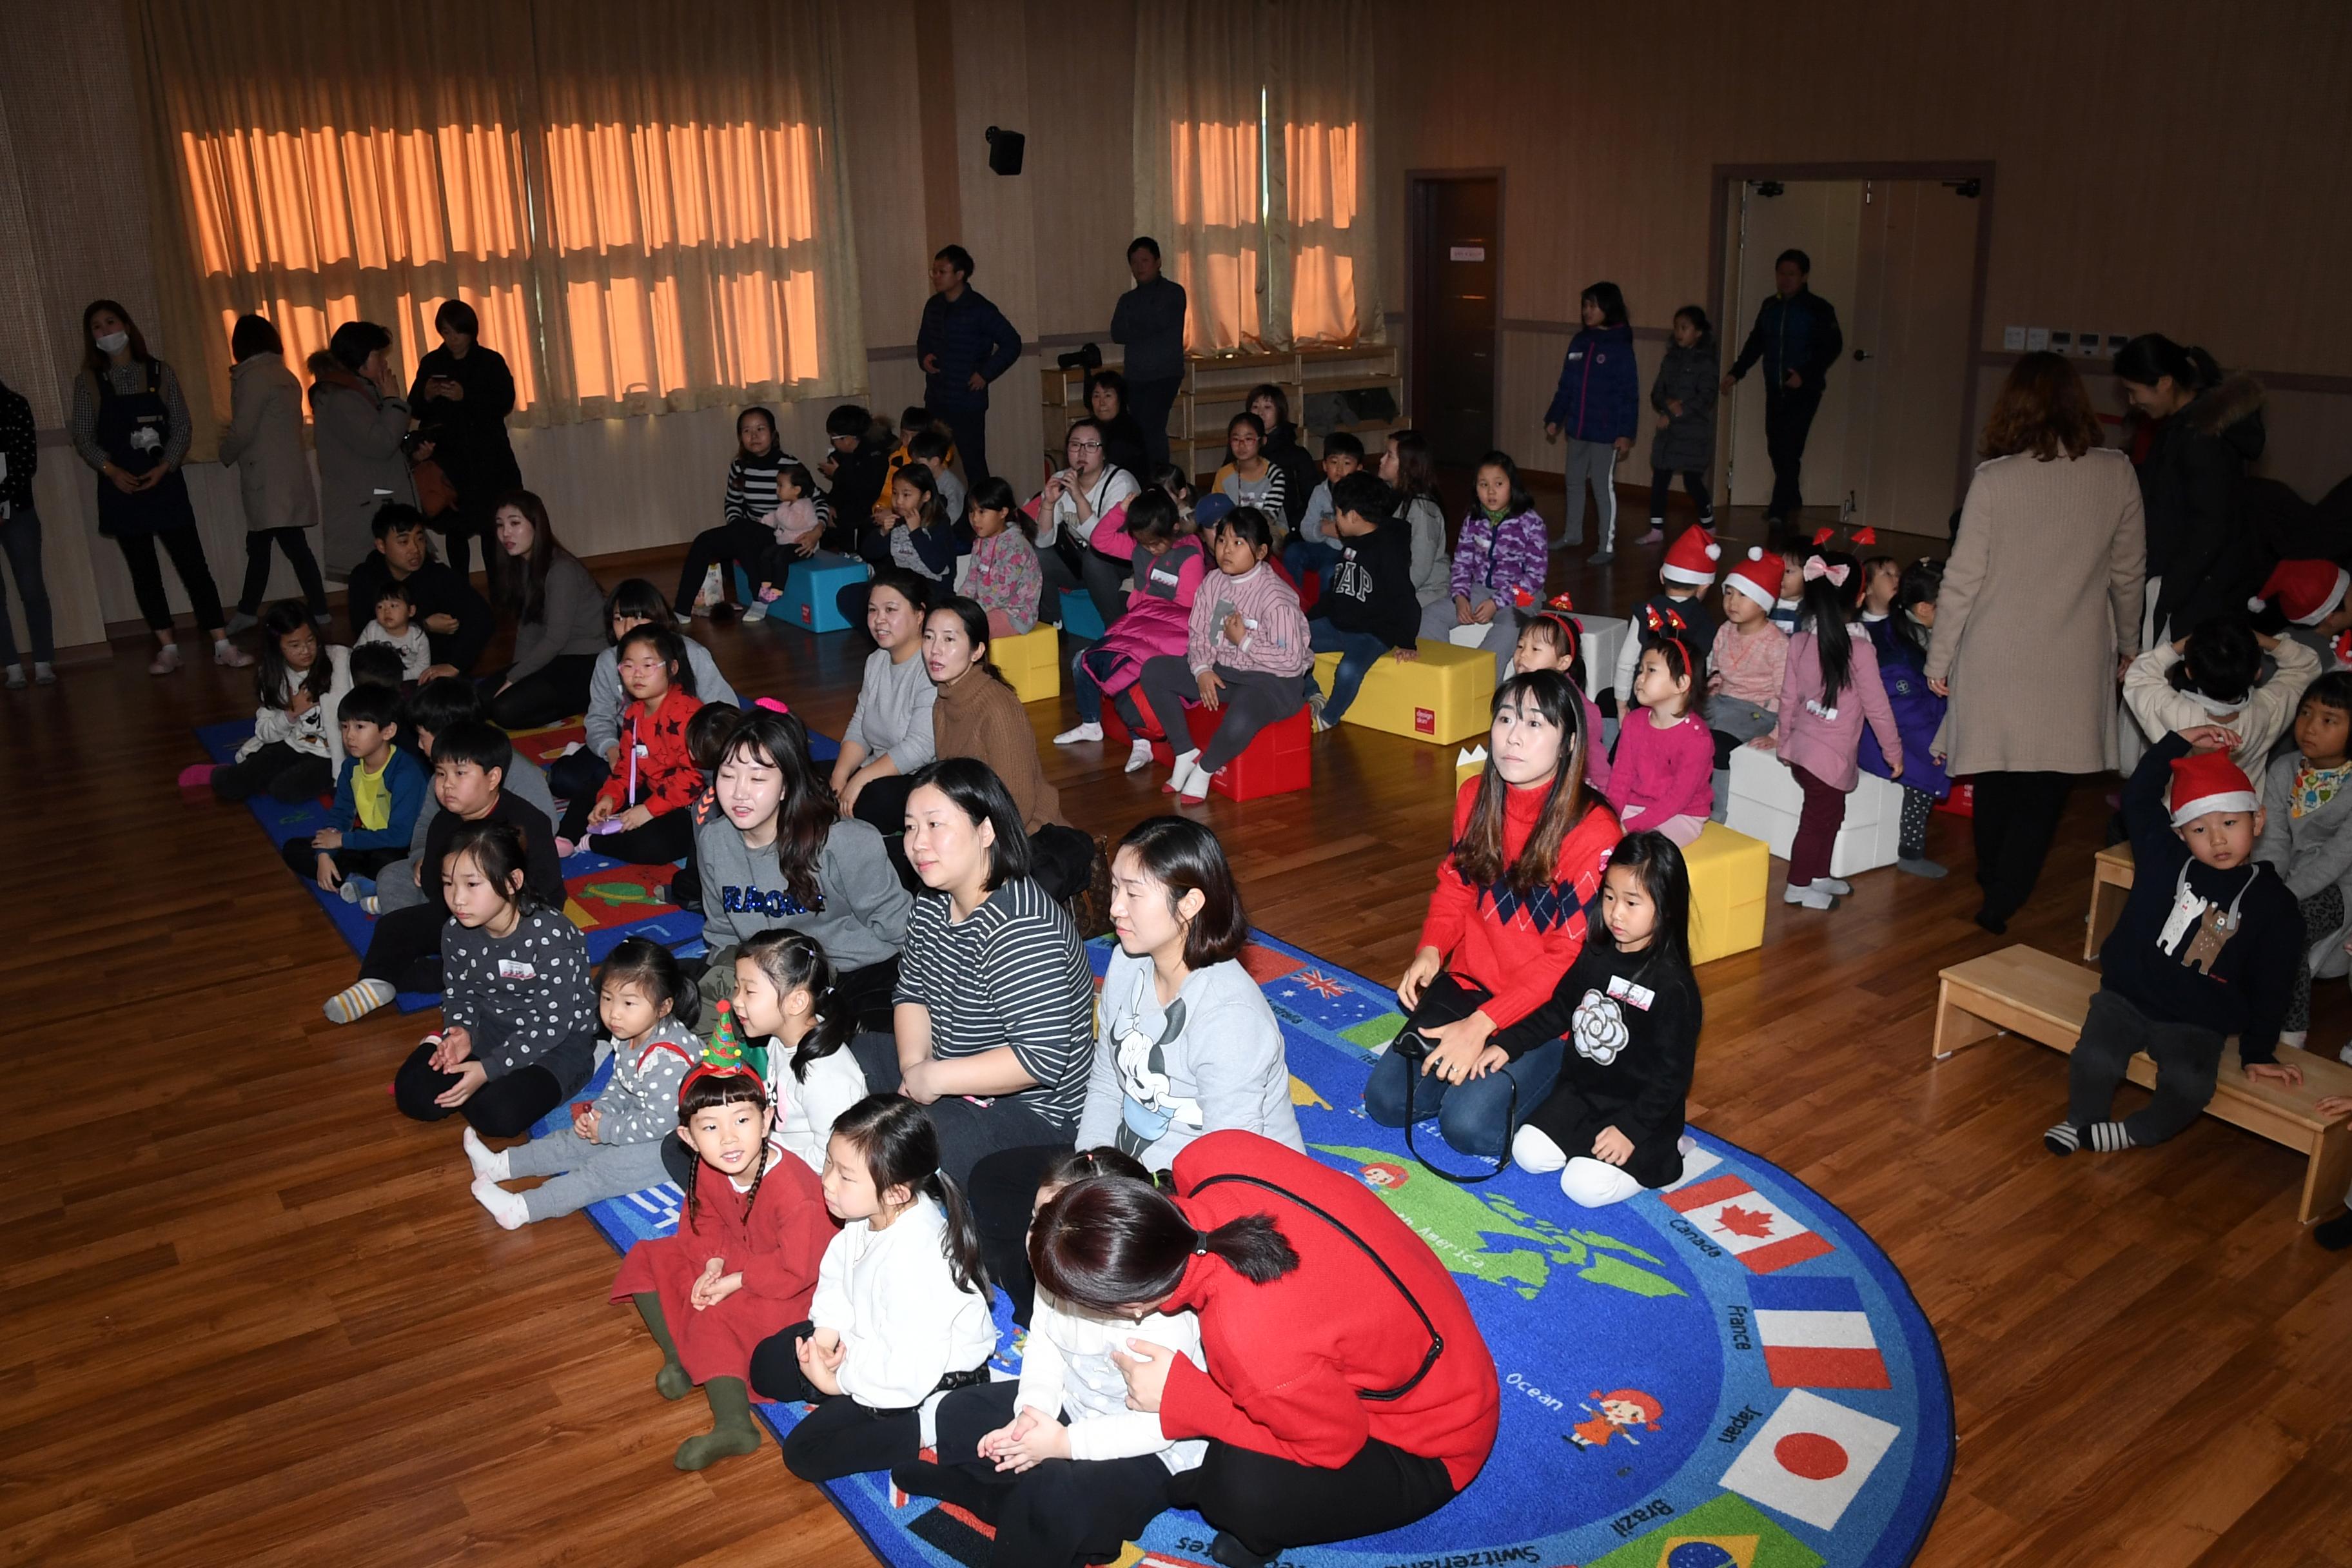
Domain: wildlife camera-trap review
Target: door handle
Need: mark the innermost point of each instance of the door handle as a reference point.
(1860, 355)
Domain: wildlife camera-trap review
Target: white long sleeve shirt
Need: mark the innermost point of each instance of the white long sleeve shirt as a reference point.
(806, 1110)
(1065, 1368)
(892, 1297)
(2263, 716)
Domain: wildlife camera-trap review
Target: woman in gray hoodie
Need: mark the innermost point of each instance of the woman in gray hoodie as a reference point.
(1682, 396)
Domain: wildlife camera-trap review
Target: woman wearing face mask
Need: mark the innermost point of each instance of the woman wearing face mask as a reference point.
(130, 425)
(360, 419)
(462, 396)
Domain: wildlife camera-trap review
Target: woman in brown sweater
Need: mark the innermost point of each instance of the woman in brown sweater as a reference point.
(978, 715)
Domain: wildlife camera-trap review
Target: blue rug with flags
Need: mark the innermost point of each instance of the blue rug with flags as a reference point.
(608, 900)
(1727, 1374)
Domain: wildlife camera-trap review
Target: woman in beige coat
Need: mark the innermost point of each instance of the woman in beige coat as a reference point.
(265, 442)
(361, 420)
(2039, 613)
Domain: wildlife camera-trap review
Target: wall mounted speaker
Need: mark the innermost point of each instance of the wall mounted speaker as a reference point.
(1004, 150)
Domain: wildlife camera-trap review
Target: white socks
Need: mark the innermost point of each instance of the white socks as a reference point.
(1139, 755)
(506, 1208)
(356, 1001)
(1532, 1149)
(1837, 887)
(1185, 780)
(490, 1164)
(1595, 1184)
(1079, 732)
(1813, 897)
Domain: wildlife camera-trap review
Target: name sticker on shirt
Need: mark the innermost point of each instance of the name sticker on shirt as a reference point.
(1814, 707)
(516, 969)
(1626, 991)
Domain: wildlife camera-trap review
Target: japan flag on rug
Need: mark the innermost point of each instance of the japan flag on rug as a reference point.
(1810, 1459)
(1746, 1224)
(1815, 1334)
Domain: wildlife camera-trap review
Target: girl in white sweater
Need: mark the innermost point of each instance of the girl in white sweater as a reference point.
(783, 989)
(900, 1315)
(1057, 1462)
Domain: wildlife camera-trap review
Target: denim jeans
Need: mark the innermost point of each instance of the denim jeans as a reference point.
(1475, 1116)
(1356, 652)
(20, 537)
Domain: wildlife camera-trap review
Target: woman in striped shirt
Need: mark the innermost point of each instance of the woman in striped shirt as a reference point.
(1245, 651)
(746, 533)
(993, 1021)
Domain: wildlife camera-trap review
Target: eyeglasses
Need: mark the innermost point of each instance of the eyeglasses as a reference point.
(1085, 446)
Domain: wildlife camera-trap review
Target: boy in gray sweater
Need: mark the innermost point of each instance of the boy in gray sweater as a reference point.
(2307, 836)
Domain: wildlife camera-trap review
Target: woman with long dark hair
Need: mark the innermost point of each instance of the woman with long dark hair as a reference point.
(265, 442)
(2198, 430)
(558, 614)
(1348, 1389)
(360, 425)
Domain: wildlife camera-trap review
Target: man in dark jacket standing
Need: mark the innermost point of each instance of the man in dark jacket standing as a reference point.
(1148, 321)
(1796, 335)
(965, 343)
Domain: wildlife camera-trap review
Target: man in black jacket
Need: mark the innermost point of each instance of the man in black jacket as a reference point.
(1149, 321)
(1796, 335)
(965, 342)
(457, 620)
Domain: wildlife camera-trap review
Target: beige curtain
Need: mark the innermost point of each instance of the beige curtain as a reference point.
(699, 248)
(647, 214)
(1253, 167)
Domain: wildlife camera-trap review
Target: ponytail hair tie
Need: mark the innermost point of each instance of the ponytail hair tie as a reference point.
(1200, 1243)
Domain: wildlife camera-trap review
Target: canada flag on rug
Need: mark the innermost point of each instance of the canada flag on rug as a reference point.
(1810, 1459)
(1746, 1224)
(1815, 1334)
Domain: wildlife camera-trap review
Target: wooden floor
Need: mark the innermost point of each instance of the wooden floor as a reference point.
(253, 1316)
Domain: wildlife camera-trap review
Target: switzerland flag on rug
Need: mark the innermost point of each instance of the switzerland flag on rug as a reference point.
(1815, 1334)
(1746, 1224)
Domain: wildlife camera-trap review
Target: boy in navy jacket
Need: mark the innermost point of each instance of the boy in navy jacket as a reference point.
(377, 797)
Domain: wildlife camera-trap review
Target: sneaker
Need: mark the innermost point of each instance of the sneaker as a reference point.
(1658, 534)
(1078, 733)
(166, 659)
(1707, 518)
(43, 675)
(1811, 898)
(1557, 545)
(1602, 557)
(228, 655)
(242, 622)
(1138, 756)
(757, 610)
(16, 681)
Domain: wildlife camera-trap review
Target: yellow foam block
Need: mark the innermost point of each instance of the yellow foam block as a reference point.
(1032, 662)
(1441, 697)
(1728, 872)
(1468, 763)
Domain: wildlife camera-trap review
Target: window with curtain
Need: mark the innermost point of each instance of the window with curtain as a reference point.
(1252, 166)
(646, 215)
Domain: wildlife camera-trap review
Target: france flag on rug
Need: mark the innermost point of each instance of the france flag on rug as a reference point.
(1816, 1333)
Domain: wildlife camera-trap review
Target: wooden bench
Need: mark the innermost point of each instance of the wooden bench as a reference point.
(2024, 991)
(2111, 884)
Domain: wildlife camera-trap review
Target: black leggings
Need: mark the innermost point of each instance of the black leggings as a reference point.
(1270, 1504)
(296, 543)
(728, 545)
(1663, 479)
(662, 840)
(1098, 573)
(503, 1108)
(405, 950)
(1003, 1188)
(303, 860)
(1064, 1511)
(840, 1437)
(186, 548)
(553, 692)
(577, 778)
(285, 774)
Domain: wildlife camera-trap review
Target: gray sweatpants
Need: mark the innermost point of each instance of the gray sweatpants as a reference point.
(1592, 465)
(397, 889)
(583, 1173)
(2188, 1062)
(1502, 638)
(1252, 701)
(1743, 721)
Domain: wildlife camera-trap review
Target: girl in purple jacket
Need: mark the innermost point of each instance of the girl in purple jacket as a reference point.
(1831, 687)
(1598, 408)
(1498, 567)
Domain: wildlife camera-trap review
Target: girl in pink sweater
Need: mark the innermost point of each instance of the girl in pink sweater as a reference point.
(1245, 651)
(1831, 686)
(1661, 778)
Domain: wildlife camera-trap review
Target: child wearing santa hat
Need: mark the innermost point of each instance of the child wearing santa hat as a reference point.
(1683, 578)
(2206, 948)
(2213, 676)
(1749, 656)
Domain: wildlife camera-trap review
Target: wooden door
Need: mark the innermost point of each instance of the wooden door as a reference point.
(1907, 352)
(1455, 244)
(1824, 219)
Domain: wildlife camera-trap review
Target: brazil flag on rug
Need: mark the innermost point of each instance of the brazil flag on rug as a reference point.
(1727, 1373)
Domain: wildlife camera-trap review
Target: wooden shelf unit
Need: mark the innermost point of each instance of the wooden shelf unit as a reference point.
(1215, 384)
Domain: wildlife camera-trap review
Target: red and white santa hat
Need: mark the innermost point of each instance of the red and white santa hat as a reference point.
(2207, 782)
(1691, 558)
(1759, 576)
(2307, 590)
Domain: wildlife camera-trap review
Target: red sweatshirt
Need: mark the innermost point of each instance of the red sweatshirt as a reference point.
(1517, 949)
(666, 776)
(1286, 1359)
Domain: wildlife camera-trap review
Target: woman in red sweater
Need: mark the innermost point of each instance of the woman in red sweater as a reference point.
(1348, 1390)
(1530, 843)
(641, 816)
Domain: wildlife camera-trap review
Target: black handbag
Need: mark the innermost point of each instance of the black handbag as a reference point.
(1414, 1046)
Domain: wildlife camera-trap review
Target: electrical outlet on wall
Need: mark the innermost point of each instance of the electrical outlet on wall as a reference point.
(2037, 340)
(2115, 341)
(2012, 339)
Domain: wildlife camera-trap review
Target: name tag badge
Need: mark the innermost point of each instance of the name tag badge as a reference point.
(2188, 908)
(516, 969)
(1624, 990)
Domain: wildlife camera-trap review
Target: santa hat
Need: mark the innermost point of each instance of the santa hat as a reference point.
(2207, 782)
(1759, 577)
(2307, 590)
(1690, 559)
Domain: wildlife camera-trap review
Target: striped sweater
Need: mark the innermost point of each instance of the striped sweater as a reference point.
(1011, 974)
(1276, 627)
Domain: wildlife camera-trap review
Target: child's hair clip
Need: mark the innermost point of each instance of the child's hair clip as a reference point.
(772, 704)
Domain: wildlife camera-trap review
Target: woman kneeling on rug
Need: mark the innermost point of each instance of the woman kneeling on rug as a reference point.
(1505, 922)
(1348, 1391)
